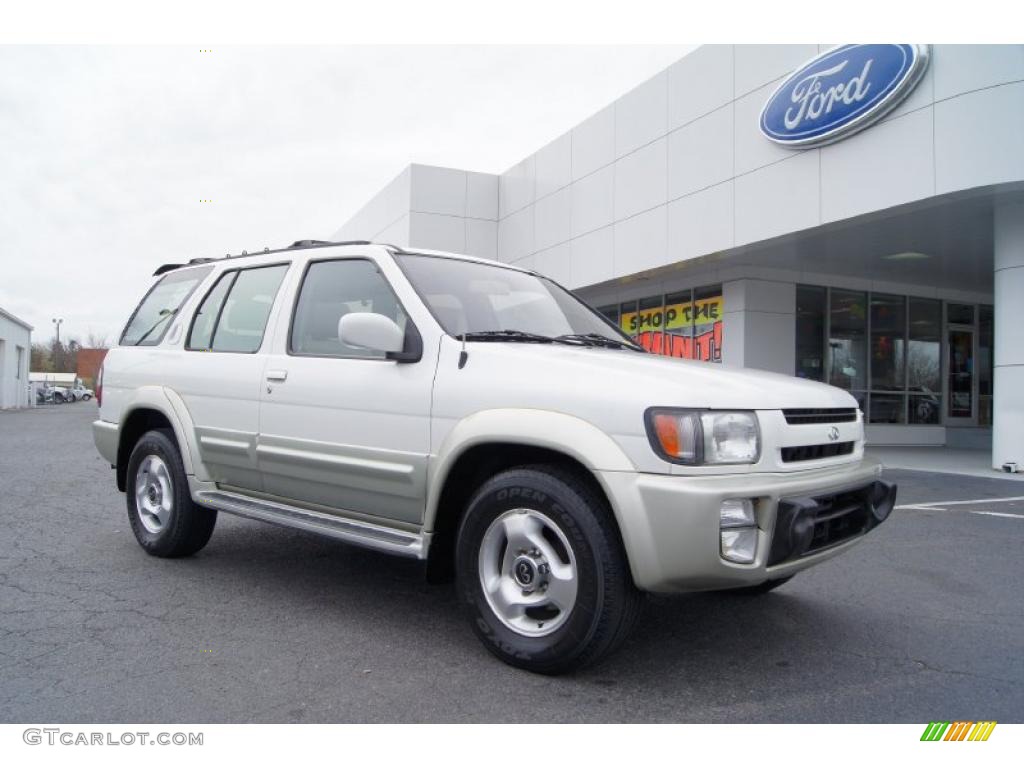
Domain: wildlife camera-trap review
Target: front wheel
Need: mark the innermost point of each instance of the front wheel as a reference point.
(542, 572)
(165, 520)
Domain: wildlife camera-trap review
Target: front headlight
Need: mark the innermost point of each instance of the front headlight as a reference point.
(704, 437)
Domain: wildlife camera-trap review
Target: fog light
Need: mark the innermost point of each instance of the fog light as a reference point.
(736, 513)
(739, 545)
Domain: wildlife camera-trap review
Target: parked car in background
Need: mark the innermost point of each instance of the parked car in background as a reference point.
(482, 418)
(79, 392)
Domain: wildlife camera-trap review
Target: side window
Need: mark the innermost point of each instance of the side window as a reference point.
(206, 316)
(153, 315)
(233, 316)
(330, 290)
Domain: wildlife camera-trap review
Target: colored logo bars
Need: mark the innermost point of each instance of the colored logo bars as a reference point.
(959, 731)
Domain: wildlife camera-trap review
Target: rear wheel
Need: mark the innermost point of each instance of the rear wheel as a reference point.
(165, 520)
(542, 572)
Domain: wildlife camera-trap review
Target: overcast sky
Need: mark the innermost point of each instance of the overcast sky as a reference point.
(106, 153)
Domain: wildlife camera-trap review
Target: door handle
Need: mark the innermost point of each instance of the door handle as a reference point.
(277, 375)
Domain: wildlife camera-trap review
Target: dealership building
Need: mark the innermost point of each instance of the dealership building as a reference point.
(850, 214)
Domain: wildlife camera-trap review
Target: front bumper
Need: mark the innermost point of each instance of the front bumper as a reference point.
(670, 524)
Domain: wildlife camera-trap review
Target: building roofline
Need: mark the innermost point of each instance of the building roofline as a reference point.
(15, 319)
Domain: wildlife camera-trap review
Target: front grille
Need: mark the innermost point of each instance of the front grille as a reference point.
(819, 415)
(811, 452)
(807, 525)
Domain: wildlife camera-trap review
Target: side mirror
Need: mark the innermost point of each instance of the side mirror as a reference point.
(370, 330)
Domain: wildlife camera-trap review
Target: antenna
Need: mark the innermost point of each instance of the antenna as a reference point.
(463, 355)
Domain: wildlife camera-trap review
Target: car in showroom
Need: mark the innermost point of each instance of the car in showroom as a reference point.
(480, 418)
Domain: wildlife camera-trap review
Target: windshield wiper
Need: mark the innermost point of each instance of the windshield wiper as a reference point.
(165, 314)
(522, 336)
(599, 340)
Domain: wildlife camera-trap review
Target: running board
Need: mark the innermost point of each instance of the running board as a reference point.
(351, 531)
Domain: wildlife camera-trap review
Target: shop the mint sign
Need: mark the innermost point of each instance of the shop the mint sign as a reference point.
(840, 92)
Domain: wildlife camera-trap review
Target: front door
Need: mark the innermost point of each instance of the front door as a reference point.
(342, 427)
(961, 382)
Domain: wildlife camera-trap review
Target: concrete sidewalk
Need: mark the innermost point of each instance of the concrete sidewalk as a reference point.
(953, 461)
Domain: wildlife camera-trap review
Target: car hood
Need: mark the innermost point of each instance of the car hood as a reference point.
(653, 380)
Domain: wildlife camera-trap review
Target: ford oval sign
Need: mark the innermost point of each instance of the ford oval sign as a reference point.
(841, 92)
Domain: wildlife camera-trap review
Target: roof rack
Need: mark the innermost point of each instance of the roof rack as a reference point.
(297, 245)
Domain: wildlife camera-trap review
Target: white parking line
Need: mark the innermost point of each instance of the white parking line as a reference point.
(996, 514)
(939, 506)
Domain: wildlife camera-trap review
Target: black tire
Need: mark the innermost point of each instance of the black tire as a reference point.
(58, 397)
(607, 602)
(87, 398)
(188, 526)
(760, 589)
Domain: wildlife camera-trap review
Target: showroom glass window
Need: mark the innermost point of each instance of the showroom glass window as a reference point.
(924, 362)
(685, 324)
(986, 338)
(847, 342)
(890, 345)
(810, 332)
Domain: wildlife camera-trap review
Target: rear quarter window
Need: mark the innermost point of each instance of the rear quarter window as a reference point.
(153, 316)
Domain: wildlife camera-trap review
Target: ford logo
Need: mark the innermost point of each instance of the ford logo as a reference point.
(840, 92)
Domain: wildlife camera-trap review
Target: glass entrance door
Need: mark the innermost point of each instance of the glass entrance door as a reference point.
(961, 369)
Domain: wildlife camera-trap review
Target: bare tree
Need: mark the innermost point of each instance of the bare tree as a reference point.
(96, 341)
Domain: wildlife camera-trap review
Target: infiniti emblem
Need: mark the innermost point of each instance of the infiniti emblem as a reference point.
(524, 572)
(833, 433)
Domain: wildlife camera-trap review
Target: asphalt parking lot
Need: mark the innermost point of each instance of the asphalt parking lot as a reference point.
(923, 621)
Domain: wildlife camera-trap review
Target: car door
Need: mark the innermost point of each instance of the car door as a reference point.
(341, 427)
(219, 372)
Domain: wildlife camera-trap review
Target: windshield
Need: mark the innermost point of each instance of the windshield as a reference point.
(473, 298)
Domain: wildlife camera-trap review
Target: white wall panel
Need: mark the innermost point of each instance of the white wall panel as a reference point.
(554, 166)
(699, 83)
(979, 138)
(641, 179)
(515, 235)
(482, 238)
(778, 199)
(641, 242)
(593, 201)
(481, 195)
(641, 116)
(554, 263)
(760, 64)
(752, 149)
(701, 223)
(701, 153)
(437, 232)
(962, 68)
(592, 257)
(593, 142)
(552, 219)
(438, 190)
(891, 164)
(516, 187)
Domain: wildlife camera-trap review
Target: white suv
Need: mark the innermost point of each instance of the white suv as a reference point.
(483, 419)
